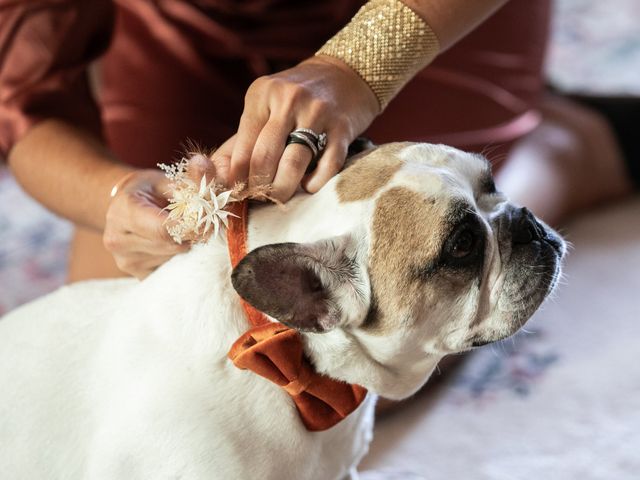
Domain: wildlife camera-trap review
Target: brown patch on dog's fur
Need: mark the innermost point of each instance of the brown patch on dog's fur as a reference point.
(369, 173)
(404, 239)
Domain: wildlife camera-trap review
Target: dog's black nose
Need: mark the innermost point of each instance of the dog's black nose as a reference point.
(526, 228)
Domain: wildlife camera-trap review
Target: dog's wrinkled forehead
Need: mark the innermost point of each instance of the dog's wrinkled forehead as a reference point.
(460, 173)
(439, 172)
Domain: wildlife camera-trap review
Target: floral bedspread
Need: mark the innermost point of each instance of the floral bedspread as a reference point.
(595, 47)
(33, 246)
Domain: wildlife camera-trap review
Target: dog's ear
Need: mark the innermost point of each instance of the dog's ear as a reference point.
(310, 287)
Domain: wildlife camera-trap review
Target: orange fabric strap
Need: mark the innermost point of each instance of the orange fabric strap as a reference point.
(275, 352)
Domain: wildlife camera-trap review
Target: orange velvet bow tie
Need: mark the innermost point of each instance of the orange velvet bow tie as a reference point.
(274, 351)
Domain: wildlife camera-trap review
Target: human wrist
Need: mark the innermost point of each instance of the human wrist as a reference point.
(123, 177)
(386, 44)
(115, 177)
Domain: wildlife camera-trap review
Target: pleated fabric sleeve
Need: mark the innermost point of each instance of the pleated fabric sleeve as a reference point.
(45, 49)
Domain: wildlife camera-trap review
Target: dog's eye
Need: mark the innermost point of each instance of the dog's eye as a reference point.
(464, 243)
(489, 186)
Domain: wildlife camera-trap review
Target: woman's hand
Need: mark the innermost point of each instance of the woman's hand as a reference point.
(135, 232)
(322, 94)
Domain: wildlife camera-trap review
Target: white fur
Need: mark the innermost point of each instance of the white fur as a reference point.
(122, 379)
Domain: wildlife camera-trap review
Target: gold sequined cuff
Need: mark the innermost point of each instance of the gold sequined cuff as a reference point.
(386, 43)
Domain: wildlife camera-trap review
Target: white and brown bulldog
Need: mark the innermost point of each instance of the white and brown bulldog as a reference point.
(408, 255)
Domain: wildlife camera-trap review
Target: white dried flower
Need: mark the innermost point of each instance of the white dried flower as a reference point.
(194, 210)
(176, 171)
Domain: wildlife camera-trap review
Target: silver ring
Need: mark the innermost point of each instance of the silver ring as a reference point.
(307, 130)
(319, 139)
(302, 139)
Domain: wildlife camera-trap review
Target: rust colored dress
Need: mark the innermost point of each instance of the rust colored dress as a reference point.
(172, 70)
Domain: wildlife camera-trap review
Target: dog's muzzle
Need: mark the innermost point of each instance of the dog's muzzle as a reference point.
(531, 255)
(526, 229)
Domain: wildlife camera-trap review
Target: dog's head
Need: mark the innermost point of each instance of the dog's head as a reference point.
(432, 261)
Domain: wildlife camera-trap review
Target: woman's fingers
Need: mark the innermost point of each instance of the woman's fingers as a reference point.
(135, 231)
(149, 233)
(241, 157)
(268, 150)
(221, 160)
(329, 164)
(252, 121)
(139, 228)
(291, 169)
(158, 191)
(141, 265)
(200, 166)
(297, 157)
(317, 93)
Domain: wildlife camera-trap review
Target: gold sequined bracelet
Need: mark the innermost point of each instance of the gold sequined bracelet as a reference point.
(386, 43)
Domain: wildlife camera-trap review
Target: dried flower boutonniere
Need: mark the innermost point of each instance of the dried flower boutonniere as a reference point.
(197, 208)
(195, 211)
